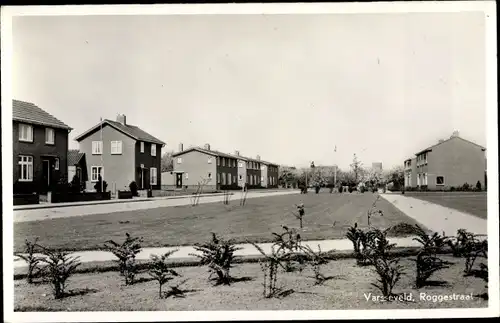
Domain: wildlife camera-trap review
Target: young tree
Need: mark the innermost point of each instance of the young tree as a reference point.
(167, 161)
(396, 176)
(357, 169)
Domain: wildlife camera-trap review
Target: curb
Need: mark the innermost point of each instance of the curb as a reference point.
(111, 266)
(59, 205)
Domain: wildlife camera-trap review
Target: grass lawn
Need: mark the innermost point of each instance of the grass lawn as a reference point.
(346, 289)
(328, 216)
(474, 203)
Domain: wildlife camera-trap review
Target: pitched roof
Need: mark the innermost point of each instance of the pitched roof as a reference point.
(127, 129)
(205, 151)
(30, 113)
(74, 157)
(442, 142)
(221, 154)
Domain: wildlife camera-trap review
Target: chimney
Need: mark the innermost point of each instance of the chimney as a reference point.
(121, 118)
(236, 152)
(207, 146)
(181, 147)
(258, 157)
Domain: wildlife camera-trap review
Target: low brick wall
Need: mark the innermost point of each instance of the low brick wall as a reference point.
(26, 199)
(79, 197)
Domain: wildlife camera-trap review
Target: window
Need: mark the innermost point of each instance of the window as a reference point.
(209, 175)
(153, 178)
(187, 176)
(223, 178)
(49, 136)
(26, 168)
(179, 160)
(241, 177)
(218, 178)
(96, 147)
(116, 148)
(223, 161)
(439, 180)
(209, 160)
(142, 147)
(425, 179)
(95, 172)
(262, 178)
(25, 132)
(240, 164)
(234, 163)
(218, 161)
(56, 164)
(153, 150)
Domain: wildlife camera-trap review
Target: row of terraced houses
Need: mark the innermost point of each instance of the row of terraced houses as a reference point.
(119, 153)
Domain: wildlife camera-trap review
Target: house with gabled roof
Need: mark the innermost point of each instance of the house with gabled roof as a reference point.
(448, 163)
(40, 148)
(121, 153)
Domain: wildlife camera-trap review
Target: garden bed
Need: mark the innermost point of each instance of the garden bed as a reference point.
(347, 288)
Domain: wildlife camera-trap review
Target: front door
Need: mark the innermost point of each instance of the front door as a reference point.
(46, 176)
(178, 180)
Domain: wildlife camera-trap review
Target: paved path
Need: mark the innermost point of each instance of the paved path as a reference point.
(436, 217)
(247, 250)
(80, 210)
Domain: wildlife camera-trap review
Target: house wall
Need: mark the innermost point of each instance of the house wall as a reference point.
(230, 170)
(118, 170)
(149, 162)
(264, 173)
(412, 171)
(37, 149)
(272, 176)
(242, 172)
(458, 161)
(253, 171)
(196, 165)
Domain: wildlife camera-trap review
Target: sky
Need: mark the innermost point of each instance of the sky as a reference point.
(289, 88)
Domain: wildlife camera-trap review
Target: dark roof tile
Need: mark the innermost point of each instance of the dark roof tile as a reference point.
(30, 113)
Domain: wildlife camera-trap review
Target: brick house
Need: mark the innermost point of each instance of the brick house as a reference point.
(40, 148)
(449, 163)
(121, 153)
(196, 164)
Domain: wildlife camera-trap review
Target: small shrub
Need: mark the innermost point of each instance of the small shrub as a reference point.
(316, 259)
(427, 260)
(388, 268)
(75, 185)
(288, 242)
(101, 186)
(31, 259)
(270, 267)
(478, 186)
(467, 245)
(60, 266)
(340, 189)
(350, 189)
(358, 239)
(134, 188)
(160, 270)
(452, 189)
(126, 253)
(466, 187)
(362, 189)
(218, 254)
(317, 188)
